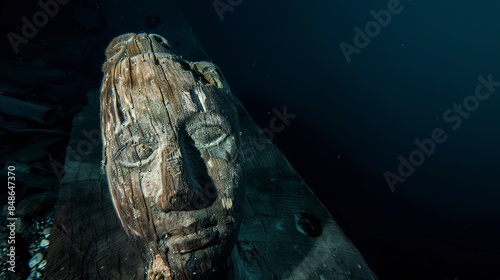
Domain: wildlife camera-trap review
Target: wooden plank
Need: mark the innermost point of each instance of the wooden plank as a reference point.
(89, 243)
(87, 240)
(270, 246)
(278, 238)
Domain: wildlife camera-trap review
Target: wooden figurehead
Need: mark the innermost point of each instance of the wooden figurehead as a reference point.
(199, 189)
(171, 154)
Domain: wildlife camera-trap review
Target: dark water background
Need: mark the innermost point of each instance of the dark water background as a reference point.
(443, 221)
(353, 119)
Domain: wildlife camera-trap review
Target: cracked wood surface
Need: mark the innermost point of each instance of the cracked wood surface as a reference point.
(87, 240)
(89, 243)
(285, 233)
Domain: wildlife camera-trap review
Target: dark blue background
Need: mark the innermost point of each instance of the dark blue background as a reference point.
(353, 119)
(443, 221)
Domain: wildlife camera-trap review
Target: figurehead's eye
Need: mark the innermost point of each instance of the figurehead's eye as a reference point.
(208, 136)
(211, 135)
(208, 129)
(135, 155)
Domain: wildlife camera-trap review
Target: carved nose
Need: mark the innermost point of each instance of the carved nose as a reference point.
(185, 182)
(180, 200)
(181, 190)
(177, 194)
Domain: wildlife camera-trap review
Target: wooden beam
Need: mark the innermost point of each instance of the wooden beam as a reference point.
(285, 231)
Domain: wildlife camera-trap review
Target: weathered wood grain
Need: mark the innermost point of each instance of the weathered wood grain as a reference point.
(87, 241)
(285, 232)
(166, 107)
(172, 158)
(269, 244)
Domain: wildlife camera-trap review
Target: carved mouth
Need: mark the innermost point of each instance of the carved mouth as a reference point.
(194, 241)
(196, 236)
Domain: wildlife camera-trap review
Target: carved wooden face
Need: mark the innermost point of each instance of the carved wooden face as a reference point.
(171, 138)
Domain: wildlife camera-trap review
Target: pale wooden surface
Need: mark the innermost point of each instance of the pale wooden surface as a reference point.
(171, 154)
(88, 242)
